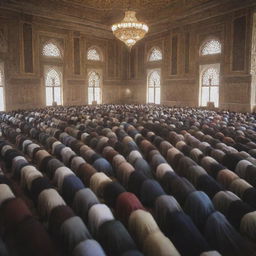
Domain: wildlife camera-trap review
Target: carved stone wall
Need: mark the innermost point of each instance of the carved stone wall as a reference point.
(124, 73)
(21, 41)
(253, 63)
(180, 82)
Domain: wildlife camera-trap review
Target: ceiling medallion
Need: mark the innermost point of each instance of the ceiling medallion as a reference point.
(130, 30)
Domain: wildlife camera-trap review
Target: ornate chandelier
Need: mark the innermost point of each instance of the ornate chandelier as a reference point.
(130, 30)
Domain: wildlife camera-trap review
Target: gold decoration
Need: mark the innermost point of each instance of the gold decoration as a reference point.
(130, 30)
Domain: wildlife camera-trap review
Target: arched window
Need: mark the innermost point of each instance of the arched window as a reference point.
(2, 107)
(94, 87)
(211, 47)
(155, 55)
(51, 50)
(210, 86)
(94, 54)
(154, 82)
(53, 87)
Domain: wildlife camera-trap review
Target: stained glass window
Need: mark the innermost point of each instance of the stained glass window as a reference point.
(1, 90)
(94, 90)
(210, 87)
(53, 87)
(154, 81)
(93, 54)
(51, 50)
(211, 47)
(155, 55)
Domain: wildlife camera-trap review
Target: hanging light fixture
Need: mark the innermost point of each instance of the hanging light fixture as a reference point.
(130, 30)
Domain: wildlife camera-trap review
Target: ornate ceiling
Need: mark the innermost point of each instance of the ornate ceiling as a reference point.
(123, 4)
(101, 14)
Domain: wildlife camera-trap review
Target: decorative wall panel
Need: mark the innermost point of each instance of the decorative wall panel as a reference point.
(239, 39)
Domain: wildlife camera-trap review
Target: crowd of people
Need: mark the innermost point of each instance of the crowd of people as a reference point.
(128, 180)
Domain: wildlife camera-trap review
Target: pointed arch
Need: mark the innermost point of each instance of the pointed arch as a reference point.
(94, 53)
(50, 49)
(53, 82)
(210, 47)
(155, 54)
(154, 87)
(94, 87)
(210, 82)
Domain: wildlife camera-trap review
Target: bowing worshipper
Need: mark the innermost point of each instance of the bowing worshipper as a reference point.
(132, 253)
(52, 166)
(141, 224)
(180, 229)
(156, 244)
(60, 175)
(177, 186)
(239, 186)
(102, 165)
(114, 238)
(32, 239)
(58, 215)
(111, 192)
(222, 201)
(150, 190)
(44, 163)
(98, 214)
(117, 161)
(199, 207)
(241, 167)
(141, 165)
(88, 247)
(38, 185)
(236, 211)
(28, 174)
(13, 212)
(98, 182)
(223, 237)
(126, 203)
(85, 172)
(84, 199)
(225, 177)
(249, 196)
(248, 227)
(72, 232)
(48, 199)
(163, 205)
(5, 193)
(9, 156)
(66, 155)
(71, 185)
(196, 155)
(231, 160)
(17, 164)
(193, 173)
(250, 174)
(207, 184)
(162, 169)
(135, 182)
